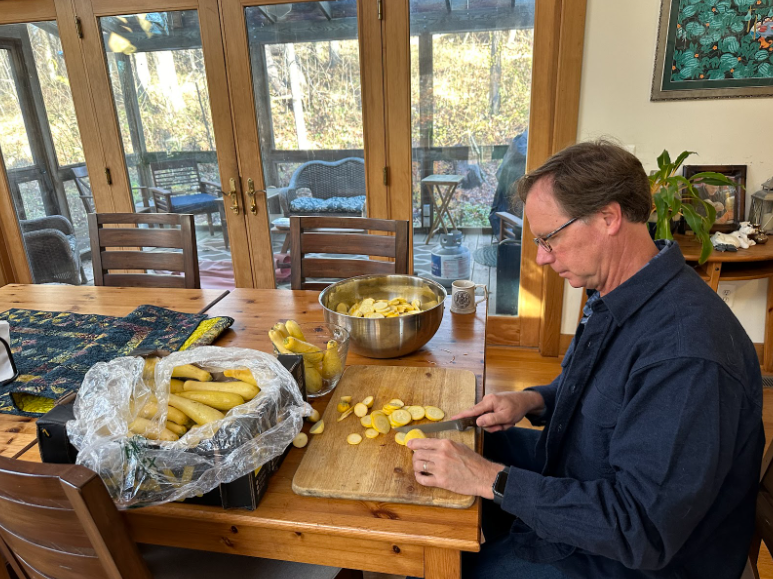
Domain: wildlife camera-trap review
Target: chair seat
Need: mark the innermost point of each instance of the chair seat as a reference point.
(199, 203)
(353, 205)
(175, 563)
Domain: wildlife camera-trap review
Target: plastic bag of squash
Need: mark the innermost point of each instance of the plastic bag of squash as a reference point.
(164, 429)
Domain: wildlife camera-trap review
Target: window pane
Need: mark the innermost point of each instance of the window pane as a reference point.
(470, 93)
(55, 87)
(14, 141)
(159, 83)
(306, 76)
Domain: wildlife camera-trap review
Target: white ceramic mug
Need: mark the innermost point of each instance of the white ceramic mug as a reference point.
(463, 296)
(8, 371)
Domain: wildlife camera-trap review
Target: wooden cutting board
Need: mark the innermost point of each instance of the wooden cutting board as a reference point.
(379, 469)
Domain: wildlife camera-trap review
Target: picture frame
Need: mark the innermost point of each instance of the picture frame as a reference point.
(710, 50)
(728, 202)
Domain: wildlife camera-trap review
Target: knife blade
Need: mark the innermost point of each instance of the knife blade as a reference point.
(459, 424)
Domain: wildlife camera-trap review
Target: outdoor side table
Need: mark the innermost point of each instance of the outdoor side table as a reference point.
(442, 189)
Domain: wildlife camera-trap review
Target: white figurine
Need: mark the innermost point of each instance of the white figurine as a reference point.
(720, 238)
(739, 238)
(743, 233)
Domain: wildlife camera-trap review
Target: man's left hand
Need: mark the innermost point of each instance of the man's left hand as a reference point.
(452, 466)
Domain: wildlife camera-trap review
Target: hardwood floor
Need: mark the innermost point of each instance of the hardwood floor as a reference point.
(509, 369)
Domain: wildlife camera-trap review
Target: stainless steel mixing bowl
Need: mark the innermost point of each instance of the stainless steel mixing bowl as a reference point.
(386, 337)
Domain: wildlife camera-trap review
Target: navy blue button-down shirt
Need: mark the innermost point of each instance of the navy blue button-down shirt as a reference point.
(653, 439)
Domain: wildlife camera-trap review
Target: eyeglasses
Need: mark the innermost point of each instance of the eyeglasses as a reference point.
(543, 241)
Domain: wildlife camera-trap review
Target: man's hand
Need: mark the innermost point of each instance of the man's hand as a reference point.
(502, 411)
(452, 466)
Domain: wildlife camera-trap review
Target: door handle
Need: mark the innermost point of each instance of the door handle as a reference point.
(251, 192)
(234, 199)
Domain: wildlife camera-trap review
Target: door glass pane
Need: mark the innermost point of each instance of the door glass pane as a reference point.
(305, 65)
(41, 148)
(159, 85)
(470, 91)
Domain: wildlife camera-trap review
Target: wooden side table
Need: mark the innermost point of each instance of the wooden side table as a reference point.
(442, 188)
(744, 264)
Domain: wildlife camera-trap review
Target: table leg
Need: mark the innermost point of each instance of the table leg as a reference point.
(714, 269)
(767, 345)
(442, 563)
(446, 202)
(438, 219)
(286, 243)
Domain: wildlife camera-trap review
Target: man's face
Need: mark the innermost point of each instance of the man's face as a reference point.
(575, 249)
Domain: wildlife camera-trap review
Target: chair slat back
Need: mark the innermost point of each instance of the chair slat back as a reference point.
(176, 176)
(58, 521)
(110, 265)
(345, 236)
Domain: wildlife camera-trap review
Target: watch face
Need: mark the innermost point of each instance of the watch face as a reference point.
(501, 482)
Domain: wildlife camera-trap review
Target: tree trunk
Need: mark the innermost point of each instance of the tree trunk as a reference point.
(296, 88)
(495, 74)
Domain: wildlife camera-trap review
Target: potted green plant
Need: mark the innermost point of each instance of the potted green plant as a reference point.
(675, 195)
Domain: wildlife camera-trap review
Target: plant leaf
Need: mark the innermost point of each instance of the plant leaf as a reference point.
(680, 159)
(701, 226)
(711, 178)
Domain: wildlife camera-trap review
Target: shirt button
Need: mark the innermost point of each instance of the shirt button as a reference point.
(573, 389)
(560, 427)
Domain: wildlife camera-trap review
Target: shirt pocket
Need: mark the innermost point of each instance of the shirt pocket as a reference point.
(599, 408)
(598, 421)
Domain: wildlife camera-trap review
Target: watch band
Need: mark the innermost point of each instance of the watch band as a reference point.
(500, 483)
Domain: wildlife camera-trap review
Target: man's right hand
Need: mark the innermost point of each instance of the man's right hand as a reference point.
(503, 410)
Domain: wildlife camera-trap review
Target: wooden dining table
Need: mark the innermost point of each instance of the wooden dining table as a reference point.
(395, 538)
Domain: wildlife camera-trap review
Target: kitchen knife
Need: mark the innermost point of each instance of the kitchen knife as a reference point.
(460, 424)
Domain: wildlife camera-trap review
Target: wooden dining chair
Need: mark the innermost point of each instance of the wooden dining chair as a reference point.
(763, 528)
(172, 250)
(344, 236)
(58, 521)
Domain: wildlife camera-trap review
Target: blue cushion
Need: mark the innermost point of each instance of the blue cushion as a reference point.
(332, 205)
(200, 203)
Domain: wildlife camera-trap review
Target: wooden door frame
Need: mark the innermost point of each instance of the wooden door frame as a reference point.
(247, 130)
(559, 29)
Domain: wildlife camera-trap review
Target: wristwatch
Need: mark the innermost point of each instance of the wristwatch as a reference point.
(500, 483)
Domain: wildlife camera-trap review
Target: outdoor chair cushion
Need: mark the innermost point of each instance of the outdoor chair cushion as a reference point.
(352, 205)
(199, 203)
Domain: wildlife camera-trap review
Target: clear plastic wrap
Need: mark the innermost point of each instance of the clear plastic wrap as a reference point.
(141, 472)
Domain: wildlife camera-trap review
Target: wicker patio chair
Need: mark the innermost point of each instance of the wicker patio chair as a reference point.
(52, 250)
(337, 189)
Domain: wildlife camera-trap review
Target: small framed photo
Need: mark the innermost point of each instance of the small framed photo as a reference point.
(728, 201)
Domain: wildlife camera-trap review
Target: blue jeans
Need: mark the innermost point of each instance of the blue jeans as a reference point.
(495, 560)
(514, 447)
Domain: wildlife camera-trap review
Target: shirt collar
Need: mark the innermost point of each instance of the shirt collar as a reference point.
(632, 294)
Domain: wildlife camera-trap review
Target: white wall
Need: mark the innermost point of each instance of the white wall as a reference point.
(618, 61)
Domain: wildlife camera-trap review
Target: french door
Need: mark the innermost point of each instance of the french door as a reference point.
(308, 115)
(157, 77)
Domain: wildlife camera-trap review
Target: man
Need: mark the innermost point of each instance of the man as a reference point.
(649, 459)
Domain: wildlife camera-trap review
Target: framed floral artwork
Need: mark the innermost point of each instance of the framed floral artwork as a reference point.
(728, 201)
(714, 49)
